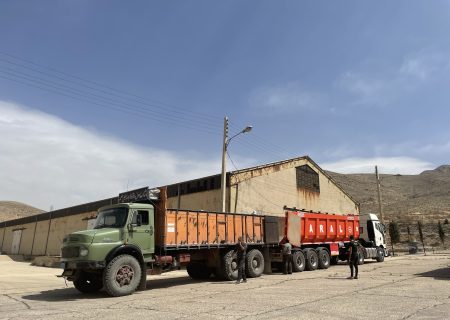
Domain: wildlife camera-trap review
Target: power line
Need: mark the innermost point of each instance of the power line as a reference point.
(111, 90)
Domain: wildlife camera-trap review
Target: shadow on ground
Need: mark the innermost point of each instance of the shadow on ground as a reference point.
(438, 274)
(72, 294)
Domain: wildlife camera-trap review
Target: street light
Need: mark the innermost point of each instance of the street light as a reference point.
(226, 142)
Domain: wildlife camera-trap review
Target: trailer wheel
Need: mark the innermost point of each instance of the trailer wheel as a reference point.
(198, 271)
(298, 261)
(312, 260)
(87, 282)
(228, 269)
(324, 258)
(380, 254)
(122, 276)
(255, 263)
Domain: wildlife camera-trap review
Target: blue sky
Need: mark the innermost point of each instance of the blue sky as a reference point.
(126, 94)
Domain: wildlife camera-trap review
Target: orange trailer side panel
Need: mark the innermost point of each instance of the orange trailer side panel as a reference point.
(192, 228)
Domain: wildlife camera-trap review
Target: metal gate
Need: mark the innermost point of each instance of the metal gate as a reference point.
(17, 235)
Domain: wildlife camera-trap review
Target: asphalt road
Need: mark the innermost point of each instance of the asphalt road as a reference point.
(405, 287)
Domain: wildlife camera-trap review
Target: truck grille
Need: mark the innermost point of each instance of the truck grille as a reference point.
(70, 252)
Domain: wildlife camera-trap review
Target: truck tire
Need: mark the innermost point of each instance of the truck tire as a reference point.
(298, 261)
(87, 282)
(380, 254)
(228, 269)
(312, 260)
(122, 276)
(324, 258)
(360, 258)
(254, 264)
(198, 271)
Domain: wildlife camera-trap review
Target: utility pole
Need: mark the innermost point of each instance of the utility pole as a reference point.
(380, 210)
(224, 162)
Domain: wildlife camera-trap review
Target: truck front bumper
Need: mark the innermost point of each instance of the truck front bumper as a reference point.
(72, 265)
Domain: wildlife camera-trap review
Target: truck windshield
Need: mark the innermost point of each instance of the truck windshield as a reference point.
(111, 218)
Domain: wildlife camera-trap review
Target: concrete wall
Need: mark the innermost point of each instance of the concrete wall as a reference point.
(60, 227)
(210, 200)
(2, 232)
(267, 190)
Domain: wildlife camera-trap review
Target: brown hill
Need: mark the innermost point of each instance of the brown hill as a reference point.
(406, 199)
(10, 210)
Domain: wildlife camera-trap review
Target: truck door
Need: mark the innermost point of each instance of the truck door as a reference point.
(142, 231)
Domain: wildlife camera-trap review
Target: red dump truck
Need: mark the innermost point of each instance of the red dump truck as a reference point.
(141, 236)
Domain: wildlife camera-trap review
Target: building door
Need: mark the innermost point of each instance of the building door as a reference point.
(17, 235)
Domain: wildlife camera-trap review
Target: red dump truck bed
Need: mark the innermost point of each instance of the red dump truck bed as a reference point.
(310, 228)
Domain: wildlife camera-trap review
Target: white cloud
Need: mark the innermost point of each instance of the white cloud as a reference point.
(283, 99)
(386, 165)
(422, 65)
(47, 161)
(381, 86)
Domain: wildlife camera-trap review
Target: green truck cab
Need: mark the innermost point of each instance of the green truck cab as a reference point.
(114, 254)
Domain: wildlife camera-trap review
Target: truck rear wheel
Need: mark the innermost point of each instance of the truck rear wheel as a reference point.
(228, 268)
(198, 271)
(298, 261)
(87, 282)
(324, 258)
(122, 276)
(312, 260)
(255, 263)
(380, 254)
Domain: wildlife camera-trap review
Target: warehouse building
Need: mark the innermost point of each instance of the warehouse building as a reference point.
(264, 189)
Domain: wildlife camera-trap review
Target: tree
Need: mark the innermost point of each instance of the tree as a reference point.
(394, 233)
(446, 221)
(419, 226)
(441, 233)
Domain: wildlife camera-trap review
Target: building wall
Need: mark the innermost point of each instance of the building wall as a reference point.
(27, 238)
(60, 227)
(2, 232)
(210, 200)
(6, 248)
(267, 190)
(40, 239)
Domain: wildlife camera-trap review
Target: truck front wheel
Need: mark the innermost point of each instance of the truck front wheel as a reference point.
(87, 282)
(122, 276)
(380, 254)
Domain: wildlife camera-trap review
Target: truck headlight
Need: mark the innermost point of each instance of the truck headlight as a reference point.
(83, 252)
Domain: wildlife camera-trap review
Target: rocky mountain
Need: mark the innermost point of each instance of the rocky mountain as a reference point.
(405, 199)
(10, 210)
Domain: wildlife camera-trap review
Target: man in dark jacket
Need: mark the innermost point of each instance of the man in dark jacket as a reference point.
(241, 251)
(353, 258)
(287, 257)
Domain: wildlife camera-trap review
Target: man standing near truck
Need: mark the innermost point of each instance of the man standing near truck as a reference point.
(241, 251)
(287, 257)
(353, 258)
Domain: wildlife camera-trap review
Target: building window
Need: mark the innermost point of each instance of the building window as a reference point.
(307, 178)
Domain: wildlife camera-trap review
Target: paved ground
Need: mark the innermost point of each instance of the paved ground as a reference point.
(405, 287)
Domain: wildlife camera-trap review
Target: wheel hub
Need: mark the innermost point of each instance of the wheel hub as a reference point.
(124, 275)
